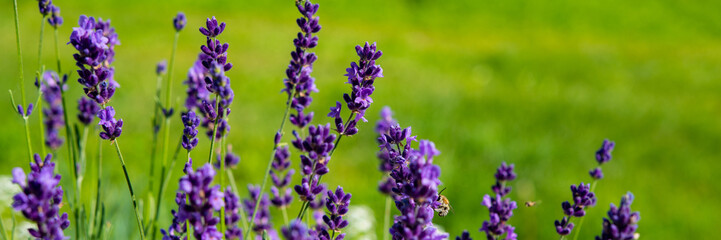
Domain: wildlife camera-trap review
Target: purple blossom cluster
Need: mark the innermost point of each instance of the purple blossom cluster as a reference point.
(95, 43)
(178, 226)
(500, 209)
(52, 88)
(25, 113)
(231, 160)
(383, 128)
(361, 76)
(214, 61)
(196, 93)
(582, 198)
(621, 223)
(201, 201)
(40, 199)
(46, 8)
(232, 206)
(179, 21)
(315, 148)
(603, 155)
(417, 181)
(298, 82)
(337, 204)
(262, 222)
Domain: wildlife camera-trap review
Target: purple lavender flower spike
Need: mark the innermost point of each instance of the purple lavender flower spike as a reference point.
(296, 230)
(582, 198)
(199, 202)
(262, 221)
(337, 204)
(500, 209)
(40, 198)
(111, 128)
(298, 83)
(281, 193)
(178, 226)
(231, 160)
(603, 155)
(197, 91)
(464, 236)
(52, 86)
(44, 7)
(232, 204)
(179, 21)
(213, 60)
(87, 110)
(190, 130)
(621, 223)
(55, 19)
(388, 155)
(95, 43)
(416, 189)
(361, 76)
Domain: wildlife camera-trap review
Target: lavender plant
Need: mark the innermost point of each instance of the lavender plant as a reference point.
(621, 223)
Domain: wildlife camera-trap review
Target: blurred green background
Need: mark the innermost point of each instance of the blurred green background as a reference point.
(535, 83)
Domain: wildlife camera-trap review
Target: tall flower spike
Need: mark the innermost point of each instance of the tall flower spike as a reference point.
(214, 60)
(232, 204)
(361, 76)
(621, 223)
(55, 19)
(40, 198)
(337, 204)
(282, 195)
(387, 156)
(111, 128)
(417, 181)
(262, 221)
(582, 198)
(296, 231)
(95, 42)
(52, 86)
(500, 210)
(202, 201)
(298, 83)
(314, 159)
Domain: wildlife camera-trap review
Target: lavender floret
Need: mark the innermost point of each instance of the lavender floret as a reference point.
(296, 230)
(111, 128)
(232, 204)
(464, 236)
(95, 43)
(202, 201)
(40, 199)
(337, 204)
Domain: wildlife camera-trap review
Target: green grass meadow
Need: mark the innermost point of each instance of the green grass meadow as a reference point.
(536, 83)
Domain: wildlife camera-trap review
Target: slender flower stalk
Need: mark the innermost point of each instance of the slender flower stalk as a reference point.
(20, 58)
(603, 155)
(160, 70)
(178, 24)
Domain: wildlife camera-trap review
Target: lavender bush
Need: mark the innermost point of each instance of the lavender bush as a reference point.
(208, 203)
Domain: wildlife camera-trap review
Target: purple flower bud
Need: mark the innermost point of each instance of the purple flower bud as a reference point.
(55, 19)
(596, 173)
(190, 130)
(464, 236)
(232, 207)
(197, 202)
(212, 28)
(337, 204)
(87, 110)
(161, 68)
(563, 227)
(179, 21)
(603, 155)
(296, 231)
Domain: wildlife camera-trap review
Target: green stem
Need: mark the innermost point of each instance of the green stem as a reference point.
(27, 137)
(98, 223)
(57, 52)
(130, 188)
(20, 53)
(163, 184)
(168, 94)
(222, 181)
(285, 214)
(270, 163)
(156, 127)
(41, 127)
(387, 218)
(215, 129)
(2, 228)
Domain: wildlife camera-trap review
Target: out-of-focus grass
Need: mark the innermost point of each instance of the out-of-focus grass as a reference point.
(535, 83)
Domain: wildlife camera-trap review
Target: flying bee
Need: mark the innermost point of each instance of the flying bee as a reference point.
(532, 203)
(445, 205)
